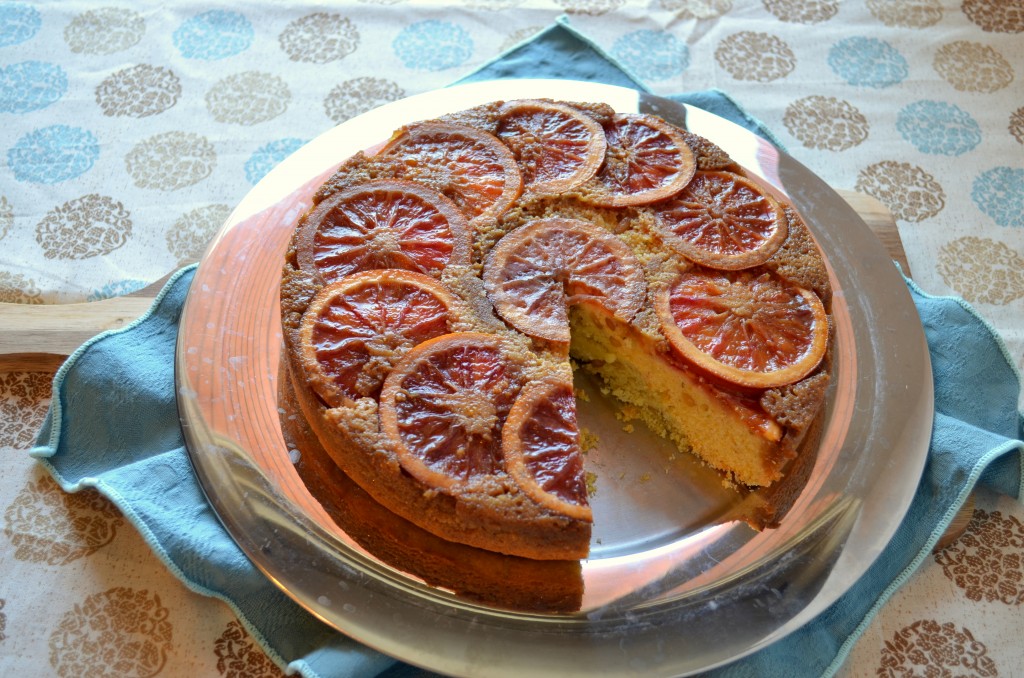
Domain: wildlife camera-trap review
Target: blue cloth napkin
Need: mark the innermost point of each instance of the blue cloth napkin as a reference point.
(113, 425)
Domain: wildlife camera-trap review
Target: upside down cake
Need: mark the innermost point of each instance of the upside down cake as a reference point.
(440, 290)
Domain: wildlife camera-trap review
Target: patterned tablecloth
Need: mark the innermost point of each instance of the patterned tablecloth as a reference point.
(130, 129)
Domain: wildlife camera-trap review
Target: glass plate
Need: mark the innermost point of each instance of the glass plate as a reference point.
(674, 583)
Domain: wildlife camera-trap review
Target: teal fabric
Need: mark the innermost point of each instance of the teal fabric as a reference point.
(561, 52)
(113, 425)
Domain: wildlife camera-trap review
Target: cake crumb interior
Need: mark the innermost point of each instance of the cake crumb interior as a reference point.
(671, 401)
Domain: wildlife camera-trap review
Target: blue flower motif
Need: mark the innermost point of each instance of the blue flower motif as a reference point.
(18, 22)
(213, 35)
(433, 45)
(53, 154)
(31, 85)
(999, 193)
(652, 55)
(116, 289)
(867, 61)
(268, 156)
(938, 128)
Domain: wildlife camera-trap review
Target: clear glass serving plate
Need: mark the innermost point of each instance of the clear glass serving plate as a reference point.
(674, 583)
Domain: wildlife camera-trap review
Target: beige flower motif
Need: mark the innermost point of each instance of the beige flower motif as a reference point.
(171, 161)
(248, 98)
(189, 236)
(17, 289)
(27, 387)
(319, 38)
(982, 270)
(138, 92)
(906, 13)
(910, 193)
(90, 226)
(826, 123)
(761, 57)
(697, 9)
(104, 31)
(6, 216)
(360, 95)
(995, 16)
(972, 67)
(24, 398)
(120, 633)
(802, 11)
(238, 656)
(930, 648)
(590, 7)
(987, 560)
(44, 524)
(1016, 126)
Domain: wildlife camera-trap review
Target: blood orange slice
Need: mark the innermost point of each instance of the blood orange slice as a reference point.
(538, 270)
(557, 147)
(723, 220)
(750, 328)
(356, 329)
(647, 160)
(541, 445)
(444, 405)
(382, 224)
(470, 166)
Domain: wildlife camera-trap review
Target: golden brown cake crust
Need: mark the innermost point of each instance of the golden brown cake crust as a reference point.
(799, 260)
(710, 155)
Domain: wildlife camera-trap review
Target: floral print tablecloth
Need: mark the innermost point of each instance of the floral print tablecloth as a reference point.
(130, 129)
